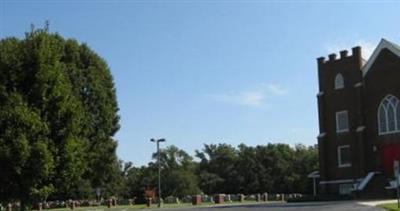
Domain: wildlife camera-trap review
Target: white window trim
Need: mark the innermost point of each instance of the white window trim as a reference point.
(340, 164)
(337, 122)
(389, 132)
(397, 130)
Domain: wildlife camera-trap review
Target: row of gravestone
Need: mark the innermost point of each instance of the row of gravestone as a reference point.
(222, 198)
(218, 198)
(205, 198)
(72, 204)
(195, 200)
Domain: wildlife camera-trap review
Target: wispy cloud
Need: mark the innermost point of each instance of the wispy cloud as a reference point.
(256, 97)
(253, 98)
(275, 89)
(367, 47)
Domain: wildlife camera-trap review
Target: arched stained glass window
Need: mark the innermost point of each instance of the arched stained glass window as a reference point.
(389, 115)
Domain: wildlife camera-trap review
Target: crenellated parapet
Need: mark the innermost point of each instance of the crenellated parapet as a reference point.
(332, 58)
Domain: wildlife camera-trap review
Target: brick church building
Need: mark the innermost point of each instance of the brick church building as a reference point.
(359, 120)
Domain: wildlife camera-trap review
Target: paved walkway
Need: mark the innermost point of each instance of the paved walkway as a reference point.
(306, 206)
(374, 203)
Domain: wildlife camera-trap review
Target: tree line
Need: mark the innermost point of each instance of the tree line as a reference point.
(58, 117)
(222, 168)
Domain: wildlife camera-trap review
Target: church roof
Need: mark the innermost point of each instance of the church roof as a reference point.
(383, 44)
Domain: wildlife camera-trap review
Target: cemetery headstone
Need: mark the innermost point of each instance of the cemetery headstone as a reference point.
(241, 197)
(265, 197)
(258, 197)
(109, 203)
(228, 198)
(196, 199)
(39, 206)
(219, 198)
(148, 202)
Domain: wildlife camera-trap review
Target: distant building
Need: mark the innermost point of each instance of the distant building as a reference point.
(359, 120)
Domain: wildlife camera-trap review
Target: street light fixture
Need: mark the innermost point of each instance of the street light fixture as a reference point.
(159, 167)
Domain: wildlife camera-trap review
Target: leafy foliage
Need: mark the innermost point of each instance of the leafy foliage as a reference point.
(178, 168)
(275, 168)
(58, 113)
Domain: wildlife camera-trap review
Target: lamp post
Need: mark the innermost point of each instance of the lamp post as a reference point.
(159, 167)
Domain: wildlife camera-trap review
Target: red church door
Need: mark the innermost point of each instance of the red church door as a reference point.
(390, 153)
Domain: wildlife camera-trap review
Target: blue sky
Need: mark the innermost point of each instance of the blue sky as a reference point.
(198, 72)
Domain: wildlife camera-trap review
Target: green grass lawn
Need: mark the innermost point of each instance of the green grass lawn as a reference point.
(391, 206)
(142, 206)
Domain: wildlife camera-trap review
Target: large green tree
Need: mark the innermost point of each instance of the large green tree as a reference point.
(219, 161)
(178, 172)
(58, 114)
